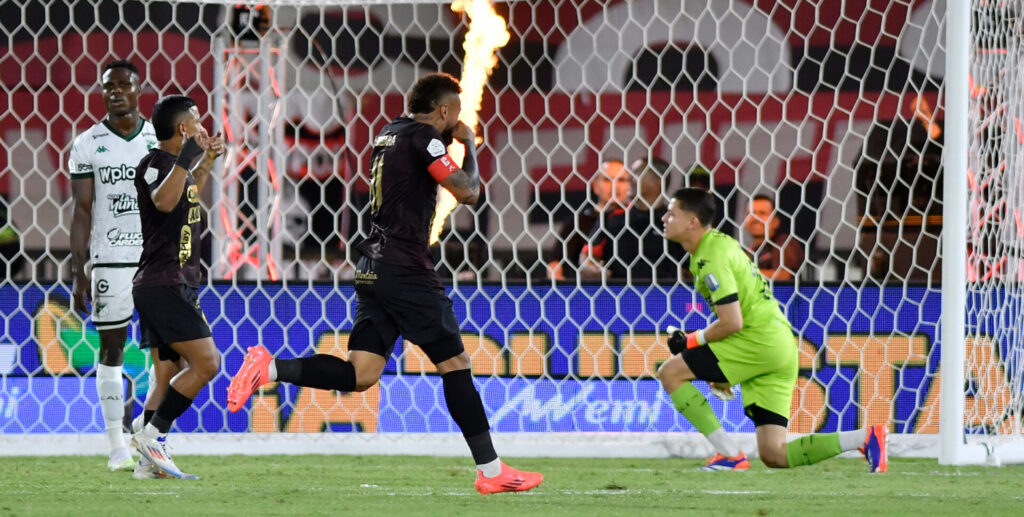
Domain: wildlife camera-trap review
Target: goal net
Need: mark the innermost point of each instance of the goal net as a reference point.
(821, 127)
(994, 342)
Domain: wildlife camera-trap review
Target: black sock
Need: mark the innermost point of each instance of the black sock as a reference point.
(173, 405)
(147, 415)
(467, 410)
(322, 371)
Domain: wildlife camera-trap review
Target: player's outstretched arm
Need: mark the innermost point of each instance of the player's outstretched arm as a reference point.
(464, 183)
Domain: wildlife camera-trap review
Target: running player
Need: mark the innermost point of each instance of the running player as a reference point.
(750, 343)
(399, 293)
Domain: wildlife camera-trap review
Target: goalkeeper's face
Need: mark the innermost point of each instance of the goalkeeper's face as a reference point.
(120, 91)
(682, 226)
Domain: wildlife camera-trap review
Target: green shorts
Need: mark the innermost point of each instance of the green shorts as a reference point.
(765, 369)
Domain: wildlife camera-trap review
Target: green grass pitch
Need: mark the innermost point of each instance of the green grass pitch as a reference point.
(382, 485)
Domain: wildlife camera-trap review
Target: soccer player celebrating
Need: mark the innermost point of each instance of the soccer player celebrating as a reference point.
(105, 229)
(399, 293)
(750, 343)
(173, 325)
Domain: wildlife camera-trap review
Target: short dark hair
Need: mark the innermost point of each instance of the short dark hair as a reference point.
(698, 201)
(699, 177)
(763, 197)
(430, 89)
(122, 63)
(167, 112)
(657, 166)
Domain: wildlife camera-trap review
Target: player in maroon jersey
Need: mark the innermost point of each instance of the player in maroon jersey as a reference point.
(398, 290)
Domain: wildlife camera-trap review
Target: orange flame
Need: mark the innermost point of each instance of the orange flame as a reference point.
(487, 33)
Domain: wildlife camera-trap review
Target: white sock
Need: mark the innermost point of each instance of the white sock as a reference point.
(724, 443)
(272, 370)
(852, 440)
(490, 469)
(151, 431)
(111, 392)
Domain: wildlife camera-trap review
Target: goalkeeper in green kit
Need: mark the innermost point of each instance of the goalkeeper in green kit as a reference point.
(750, 343)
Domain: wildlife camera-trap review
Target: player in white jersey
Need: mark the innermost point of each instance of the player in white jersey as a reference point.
(106, 231)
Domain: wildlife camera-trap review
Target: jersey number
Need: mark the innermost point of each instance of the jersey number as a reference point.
(376, 175)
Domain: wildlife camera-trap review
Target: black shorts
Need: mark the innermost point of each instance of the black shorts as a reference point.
(704, 364)
(395, 300)
(169, 314)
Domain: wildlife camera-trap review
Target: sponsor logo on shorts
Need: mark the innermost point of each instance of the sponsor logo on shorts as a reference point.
(115, 237)
(123, 204)
(111, 175)
(711, 282)
(365, 277)
(102, 286)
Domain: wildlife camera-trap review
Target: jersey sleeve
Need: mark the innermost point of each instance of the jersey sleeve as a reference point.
(79, 161)
(717, 278)
(432, 151)
(156, 172)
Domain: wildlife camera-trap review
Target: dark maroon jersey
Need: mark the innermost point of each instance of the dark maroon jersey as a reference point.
(408, 161)
(170, 241)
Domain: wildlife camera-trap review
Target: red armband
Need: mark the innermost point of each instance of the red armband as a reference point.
(442, 168)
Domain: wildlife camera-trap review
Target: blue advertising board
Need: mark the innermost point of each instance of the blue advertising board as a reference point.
(548, 358)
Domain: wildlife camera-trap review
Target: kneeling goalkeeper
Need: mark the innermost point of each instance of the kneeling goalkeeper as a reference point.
(751, 344)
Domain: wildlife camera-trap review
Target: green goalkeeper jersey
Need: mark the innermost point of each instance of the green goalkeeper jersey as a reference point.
(723, 273)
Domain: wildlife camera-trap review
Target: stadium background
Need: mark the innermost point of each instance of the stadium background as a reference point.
(769, 96)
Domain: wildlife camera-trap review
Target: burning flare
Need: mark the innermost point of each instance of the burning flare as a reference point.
(487, 33)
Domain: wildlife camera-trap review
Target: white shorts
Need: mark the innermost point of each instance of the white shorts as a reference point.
(112, 303)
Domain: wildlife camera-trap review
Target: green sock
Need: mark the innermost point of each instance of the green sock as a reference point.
(812, 448)
(692, 404)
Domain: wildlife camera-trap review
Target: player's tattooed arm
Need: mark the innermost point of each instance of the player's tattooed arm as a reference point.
(465, 186)
(464, 183)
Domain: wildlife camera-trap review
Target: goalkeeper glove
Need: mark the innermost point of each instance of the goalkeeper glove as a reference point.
(190, 151)
(678, 341)
(725, 394)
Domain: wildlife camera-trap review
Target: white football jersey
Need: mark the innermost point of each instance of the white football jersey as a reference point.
(109, 159)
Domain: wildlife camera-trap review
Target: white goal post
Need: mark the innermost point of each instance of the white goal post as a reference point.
(983, 104)
(888, 143)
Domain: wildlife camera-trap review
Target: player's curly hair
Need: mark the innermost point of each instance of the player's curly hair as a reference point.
(429, 90)
(698, 201)
(122, 63)
(167, 112)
